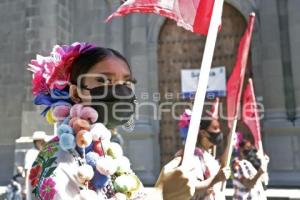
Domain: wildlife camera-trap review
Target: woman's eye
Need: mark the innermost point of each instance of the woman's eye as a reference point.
(127, 83)
(104, 80)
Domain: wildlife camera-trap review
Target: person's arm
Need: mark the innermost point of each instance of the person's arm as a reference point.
(224, 155)
(249, 183)
(203, 186)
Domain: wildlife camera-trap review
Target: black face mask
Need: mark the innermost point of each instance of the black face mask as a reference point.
(251, 156)
(115, 104)
(215, 137)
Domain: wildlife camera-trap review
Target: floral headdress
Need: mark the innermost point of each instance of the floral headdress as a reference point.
(184, 123)
(51, 74)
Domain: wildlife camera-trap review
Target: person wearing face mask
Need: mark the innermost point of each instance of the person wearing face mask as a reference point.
(249, 169)
(208, 171)
(87, 91)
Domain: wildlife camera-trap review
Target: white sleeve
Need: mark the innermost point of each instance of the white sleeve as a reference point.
(30, 158)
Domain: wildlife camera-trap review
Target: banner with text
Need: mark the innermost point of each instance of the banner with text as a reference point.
(216, 84)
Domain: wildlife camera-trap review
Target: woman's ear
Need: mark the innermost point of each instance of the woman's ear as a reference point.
(74, 94)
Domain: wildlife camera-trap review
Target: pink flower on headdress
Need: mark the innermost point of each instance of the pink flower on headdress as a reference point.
(185, 118)
(54, 71)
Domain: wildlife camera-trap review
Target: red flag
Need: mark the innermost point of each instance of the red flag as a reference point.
(193, 15)
(250, 114)
(236, 79)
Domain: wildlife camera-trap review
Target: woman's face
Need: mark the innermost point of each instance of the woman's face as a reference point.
(213, 128)
(111, 70)
(246, 149)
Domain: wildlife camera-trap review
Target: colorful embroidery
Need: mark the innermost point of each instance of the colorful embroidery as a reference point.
(47, 190)
(42, 170)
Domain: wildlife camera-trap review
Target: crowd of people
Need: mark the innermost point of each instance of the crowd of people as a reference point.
(81, 85)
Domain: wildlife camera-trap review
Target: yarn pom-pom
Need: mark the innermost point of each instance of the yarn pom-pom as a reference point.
(75, 110)
(60, 112)
(105, 145)
(80, 124)
(84, 138)
(85, 173)
(115, 150)
(123, 164)
(89, 114)
(92, 158)
(49, 117)
(106, 165)
(67, 142)
(99, 131)
(66, 121)
(99, 180)
(72, 120)
(63, 128)
(126, 183)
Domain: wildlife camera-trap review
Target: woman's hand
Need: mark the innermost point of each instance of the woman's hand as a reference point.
(264, 163)
(176, 182)
(223, 174)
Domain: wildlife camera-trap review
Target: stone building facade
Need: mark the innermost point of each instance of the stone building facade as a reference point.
(31, 26)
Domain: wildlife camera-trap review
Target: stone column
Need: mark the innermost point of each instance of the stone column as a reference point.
(11, 77)
(141, 145)
(294, 30)
(280, 136)
(271, 64)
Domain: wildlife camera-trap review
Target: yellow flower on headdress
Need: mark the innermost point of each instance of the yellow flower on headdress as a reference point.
(49, 117)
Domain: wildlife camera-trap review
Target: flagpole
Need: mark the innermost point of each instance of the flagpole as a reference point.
(202, 83)
(229, 147)
(260, 145)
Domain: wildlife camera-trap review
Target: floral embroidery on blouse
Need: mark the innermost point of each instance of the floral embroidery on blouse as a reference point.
(42, 171)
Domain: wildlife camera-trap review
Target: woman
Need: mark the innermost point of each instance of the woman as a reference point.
(84, 87)
(249, 169)
(208, 171)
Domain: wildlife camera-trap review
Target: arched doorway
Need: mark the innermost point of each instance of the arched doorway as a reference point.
(180, 49)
